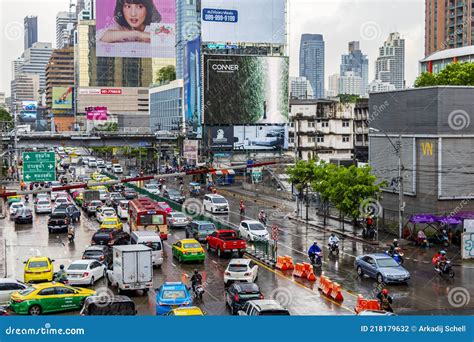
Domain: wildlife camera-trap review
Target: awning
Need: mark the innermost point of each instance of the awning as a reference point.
(223, 172)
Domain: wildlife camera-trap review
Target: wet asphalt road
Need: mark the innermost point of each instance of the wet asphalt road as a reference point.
(426, 293)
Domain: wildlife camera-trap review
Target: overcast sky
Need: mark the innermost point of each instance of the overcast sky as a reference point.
(340, 21)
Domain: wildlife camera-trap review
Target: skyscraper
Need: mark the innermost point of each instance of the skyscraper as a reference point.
(31, 31)
(312, 62)
(65, 22)
(448, 24)
(36, 60)
(300, 88)
(390, 65)
(187, 28)
(357, 64)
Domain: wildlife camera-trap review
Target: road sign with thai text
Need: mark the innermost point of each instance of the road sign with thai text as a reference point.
(39, 167)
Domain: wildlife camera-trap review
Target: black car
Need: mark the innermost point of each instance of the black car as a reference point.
(115, 198)
(238, 294)
(100, 253)
(23, 215)
(70, 210)
(110, 237)
(58, 221)
(129, 194)
(117, 188)
(174, 195)
(108, 306)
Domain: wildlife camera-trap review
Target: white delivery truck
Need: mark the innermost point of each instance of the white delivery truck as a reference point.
(132, 268)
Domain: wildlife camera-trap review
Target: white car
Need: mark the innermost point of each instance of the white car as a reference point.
(42, 197)
(43, 206)
(15, 206)
(92, 162)
(152, 188)
(7, 287)
(116, 168)
(243, 270)
(253, 230)
(103, 213)
(122, 210)
(108, 165)
(215, 204)
(61, 200)
(100, 162)
(85, 272)
(104, 195)
(56, 194)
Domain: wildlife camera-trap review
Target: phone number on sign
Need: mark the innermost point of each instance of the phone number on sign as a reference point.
(385, 328)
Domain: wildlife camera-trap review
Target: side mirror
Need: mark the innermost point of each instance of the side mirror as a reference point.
(24, 262)
(53, 260)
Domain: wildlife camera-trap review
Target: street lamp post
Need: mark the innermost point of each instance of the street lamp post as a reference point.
(398, 150)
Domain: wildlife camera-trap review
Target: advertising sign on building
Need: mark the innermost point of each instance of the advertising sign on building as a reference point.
(260, 137)
(220, 137)
(140, 29)
(29, 110)
(190, 151)
(62, 97)
(241, 90)
(96, 113)
(243, 21)
(193, 88)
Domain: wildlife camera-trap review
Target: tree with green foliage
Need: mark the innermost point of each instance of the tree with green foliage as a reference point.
(348, 98)
(6, 120)
(460, 74)
(302, 175)
(166, 74)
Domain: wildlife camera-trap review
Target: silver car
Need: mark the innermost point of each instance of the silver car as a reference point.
(43, 207)
(382, 268)
(177, 219)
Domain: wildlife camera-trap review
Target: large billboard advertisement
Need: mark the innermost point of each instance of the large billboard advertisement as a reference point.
(220, 138)
(136, 28)
(259, 137)
(193, 88)
(240, 90)
(96, 113)
(190, 151)
(62, 97)
(29, 111)
(243, 21)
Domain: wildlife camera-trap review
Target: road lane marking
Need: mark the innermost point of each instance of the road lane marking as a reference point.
(300, 285)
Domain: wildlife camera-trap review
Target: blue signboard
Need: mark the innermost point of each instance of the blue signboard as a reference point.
(220, 15)
(193, 88)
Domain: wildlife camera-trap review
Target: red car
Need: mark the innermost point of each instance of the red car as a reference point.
(226, 241)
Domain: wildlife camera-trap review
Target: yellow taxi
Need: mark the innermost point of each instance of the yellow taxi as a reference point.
(48, 297)
(96, 174)
(111, 223)
(186, 311)
(38, 269)
(188, 250)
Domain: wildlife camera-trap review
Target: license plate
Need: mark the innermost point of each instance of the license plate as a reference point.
(234, 250)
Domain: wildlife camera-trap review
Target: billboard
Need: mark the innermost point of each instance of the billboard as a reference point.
(260, 137)
(136, 28)
(62, 97)
(220, 138)
(243, 21)
(193, 88)
(190, 151)
(240, 90)
(29, 110)
(96, 113)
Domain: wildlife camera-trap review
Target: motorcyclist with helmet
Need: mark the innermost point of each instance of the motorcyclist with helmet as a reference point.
(313, 251)
(393, 247)
(385, 300)
(61, 275)
(333, 239)
(196, 280)
(442, 261)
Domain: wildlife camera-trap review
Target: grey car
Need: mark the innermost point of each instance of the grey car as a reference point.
(177, 219)
(382, 268)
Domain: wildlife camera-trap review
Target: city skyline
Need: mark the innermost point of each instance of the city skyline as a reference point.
(339, 22)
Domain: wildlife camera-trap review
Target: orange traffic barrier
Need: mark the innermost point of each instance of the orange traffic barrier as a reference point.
(281, 263)
(289, 262)
(366, 304)
(309, 271)
(325, 285)
(300, 271)
(336, 293)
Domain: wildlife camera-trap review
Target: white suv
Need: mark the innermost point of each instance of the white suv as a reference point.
(116, 168)
(243, 270)
(215, 204)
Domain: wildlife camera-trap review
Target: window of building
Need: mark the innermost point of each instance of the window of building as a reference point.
(291, 140)
(190, 13)
(320, 139)
(324, 123)
(311, 124)
(189, 2)
(346, 138)
(345, 123)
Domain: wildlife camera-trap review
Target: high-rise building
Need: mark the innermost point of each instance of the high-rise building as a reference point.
(390, 65)
(31, 31)
(448, 24)
(300, 88)
(333, 85)
(351, 84)
(17, 66)
(3, 103)
(36, 60)
(65, 22)
(358, 64)
(312, 62)
(187, 28)
(80, 5)
(59, 72)
(24, 88)
(377, 86)
(88, 12)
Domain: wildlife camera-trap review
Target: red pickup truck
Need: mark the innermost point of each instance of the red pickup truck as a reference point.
(226, 241)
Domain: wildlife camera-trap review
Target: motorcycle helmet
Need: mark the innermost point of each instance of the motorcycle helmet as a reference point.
(385, 291)
(315, 243)
(395, 240)
(442, 252)
(61, 267)
(333, 235)
(196, 271)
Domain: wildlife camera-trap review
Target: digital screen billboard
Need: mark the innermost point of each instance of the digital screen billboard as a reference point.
(62, 97)
(193, 88)
(240, 90)
(243, 21)
(96, 113)
(190, 151)
(261, 137)
(29, 111)
(136, 28)
(220, 137)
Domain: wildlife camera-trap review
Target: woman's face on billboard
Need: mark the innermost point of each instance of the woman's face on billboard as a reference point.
(135, 15)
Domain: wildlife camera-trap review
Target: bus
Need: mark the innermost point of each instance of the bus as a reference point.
(146, 214)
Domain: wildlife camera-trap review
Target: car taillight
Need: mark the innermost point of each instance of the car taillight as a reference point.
(262, 296)
(101, 257)
(83, 257)
(18, 300)
(227, 273)
(85, 274)
(236, 297)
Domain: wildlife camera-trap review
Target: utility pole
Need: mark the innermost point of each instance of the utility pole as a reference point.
(401, 205)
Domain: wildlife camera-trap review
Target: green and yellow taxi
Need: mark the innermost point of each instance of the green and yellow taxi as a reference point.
(188, 250)
(38, 269)
(186, 311)
(13, 199)
(111, 223)
(48, 297)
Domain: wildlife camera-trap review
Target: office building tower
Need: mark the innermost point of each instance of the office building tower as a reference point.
(31, 31)
(350, 84)
(357, 63)
(24, 88)
(300, 88)
(36, 60)
(59, 72)
(390, 65)
(65, 23)
(187, 28)
(312, 62)
(17, 66)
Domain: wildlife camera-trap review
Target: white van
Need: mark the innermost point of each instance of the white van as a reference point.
(122, 209)
(152, 240)
(215, 204)
(92, 162)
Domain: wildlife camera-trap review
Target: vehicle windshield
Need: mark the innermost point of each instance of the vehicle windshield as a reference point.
(37, 264)
(93, 253)
(256, 226)
(155, 246)
(237, 268)
(179, 215)
(219, 200)
(109, 212)
(192, 245)
(59, 215)
(27, 291)
(174, 294)
(207, 227)
(43, 202)
(152, 186)
(96, 203)
(387, 262)
(77, 267)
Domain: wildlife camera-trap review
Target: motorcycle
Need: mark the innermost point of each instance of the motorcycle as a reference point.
(242, 210)
(397, 255)
(316, 259)
(27, 198)
(447, 269)
(198, 291)
(334, 248)
(369, 233)
(442, 239)
(70, 236)
(263, 219)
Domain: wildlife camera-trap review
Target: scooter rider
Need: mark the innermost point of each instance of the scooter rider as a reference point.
(442, 261)
(313, 250)
(61, 276)
(71, 231)
(333, 240)
(385, 300)
(242, 207)
(262, 217)
(393, 247)
(196, 280)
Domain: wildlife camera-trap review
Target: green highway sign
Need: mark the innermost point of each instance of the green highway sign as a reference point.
(39, 166)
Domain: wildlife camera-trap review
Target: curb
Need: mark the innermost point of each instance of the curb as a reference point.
(352, 237)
